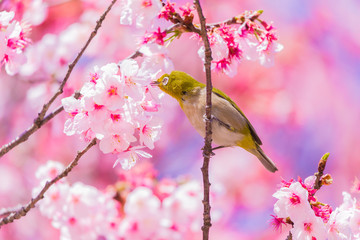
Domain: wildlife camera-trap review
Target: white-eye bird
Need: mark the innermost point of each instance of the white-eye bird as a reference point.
(230, 127)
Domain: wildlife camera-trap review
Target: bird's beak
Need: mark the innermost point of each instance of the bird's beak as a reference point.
(154, 83)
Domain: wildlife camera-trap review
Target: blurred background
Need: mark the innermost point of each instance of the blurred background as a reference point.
(307, 104)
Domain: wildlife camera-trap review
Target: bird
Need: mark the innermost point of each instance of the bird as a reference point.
(230, 127)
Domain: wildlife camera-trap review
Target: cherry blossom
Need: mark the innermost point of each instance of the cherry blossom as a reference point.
(309, 229)
(130, 156)
(167, 10)
(116, 107)
(140, 13)
(356, 186)
(144, 208)
(157, 60)
(33, 12)
(187, 10)
(79, 117)
(292, 202)
(150, 132)
(13, 42)
(156, 36)
(49, 171)
(315, 220)
(49, 56)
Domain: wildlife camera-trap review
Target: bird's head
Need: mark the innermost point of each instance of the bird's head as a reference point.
(177, 84)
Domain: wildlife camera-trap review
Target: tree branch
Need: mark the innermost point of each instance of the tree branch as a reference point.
(319, 175)
(41, 119)
(27, 133)
(25, 209)
(32, 129)
(207, 148)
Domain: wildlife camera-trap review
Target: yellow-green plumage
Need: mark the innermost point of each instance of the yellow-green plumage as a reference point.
(230, 127)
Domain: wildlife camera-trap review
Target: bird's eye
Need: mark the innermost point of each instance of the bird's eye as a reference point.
(165, 80)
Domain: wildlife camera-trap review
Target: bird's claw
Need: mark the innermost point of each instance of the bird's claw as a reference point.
(217, 148)
(207, 119)
(208, 155)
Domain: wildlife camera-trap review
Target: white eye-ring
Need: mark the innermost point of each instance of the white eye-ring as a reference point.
(165, 80)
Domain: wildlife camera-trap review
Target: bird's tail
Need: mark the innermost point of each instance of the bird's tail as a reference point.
(259, 153)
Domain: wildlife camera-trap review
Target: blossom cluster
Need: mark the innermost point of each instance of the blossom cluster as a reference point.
(33, 12)
(13, 42)
(297, 205)
(117, 106)
(246, 37)
(136, 207)
(231, 43)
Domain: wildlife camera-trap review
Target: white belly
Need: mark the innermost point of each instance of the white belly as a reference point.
(221, 135)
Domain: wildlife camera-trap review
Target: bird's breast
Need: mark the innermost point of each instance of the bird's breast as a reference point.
(195, 111)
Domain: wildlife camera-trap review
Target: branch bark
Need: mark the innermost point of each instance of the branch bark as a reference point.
(25, 209)
(41, 119)
(207, 152)
(320, 173)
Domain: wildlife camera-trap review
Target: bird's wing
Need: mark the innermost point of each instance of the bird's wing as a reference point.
(233, 118)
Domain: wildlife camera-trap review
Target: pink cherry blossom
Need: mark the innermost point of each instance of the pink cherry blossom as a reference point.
(110, 92)
(338, 225)
(156, 36)
(142, 210)
(140, 13)
(356, 186)
(79, 118)
(310, 228)
(129, 157)
(13, 42)
(355, 222)
(187, 9)
(54, 201)
(49, 171)
(218, 46)
(322, 210)
(117, 142)
(117, 107)
(277, 223)
(133, 84)
(150, 132)
(157, 60)
(167, 10)
(292, 202)
(184, 206)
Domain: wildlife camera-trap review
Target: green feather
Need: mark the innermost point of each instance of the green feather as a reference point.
(252, 129)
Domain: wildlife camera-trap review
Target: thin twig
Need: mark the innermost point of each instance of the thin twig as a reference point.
(320, 173)
(136, 54)
(7, 211)
(289, 237)
(25, 209)
(237, 19)
(207, 148)
(27, 133)
(72, 65)
(32, 129)
(41, 119)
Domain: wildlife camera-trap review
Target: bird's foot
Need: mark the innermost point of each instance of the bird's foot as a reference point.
(218, 148)
(208, 155)
(212, 153)
(207, 119)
